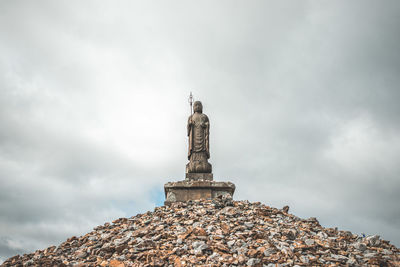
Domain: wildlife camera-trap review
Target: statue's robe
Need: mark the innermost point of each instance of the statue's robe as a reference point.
(198, 132)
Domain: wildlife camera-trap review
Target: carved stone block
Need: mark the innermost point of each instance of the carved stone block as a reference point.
(198, 167)
(199, 176)
(193, 190)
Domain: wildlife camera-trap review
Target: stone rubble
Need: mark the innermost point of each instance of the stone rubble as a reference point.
(219, 232)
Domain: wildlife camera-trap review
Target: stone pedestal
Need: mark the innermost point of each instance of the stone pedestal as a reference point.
(199, 176)
(193, 190)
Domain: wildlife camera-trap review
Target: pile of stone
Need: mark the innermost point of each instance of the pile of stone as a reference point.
(218, 232)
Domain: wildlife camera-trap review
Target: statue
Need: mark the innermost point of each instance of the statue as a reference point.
(199, 181)
(198, 130)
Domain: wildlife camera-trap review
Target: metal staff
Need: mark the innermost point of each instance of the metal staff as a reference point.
(191, 103)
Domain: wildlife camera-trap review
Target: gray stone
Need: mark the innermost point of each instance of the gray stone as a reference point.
(252, 261)
(285, 209)
(268, 252)
(370, 255)
(199, 246)
(351, 261)
(322, 235)
(170, 196)
(29, 262)
(249, 225)
(81, 254)
(120, 241)
(194, 190)
(304, 259)
(309, 242)
(121, 258)
(360, 246)
(387, 252)
(196, 224)
(105, 236)
(373, 240)
(339, 257)
(231, 243)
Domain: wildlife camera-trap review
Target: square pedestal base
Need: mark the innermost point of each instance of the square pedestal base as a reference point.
(193, 190)
(199, 176)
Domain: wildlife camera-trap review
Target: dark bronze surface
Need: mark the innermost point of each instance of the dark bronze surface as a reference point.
(198, 131)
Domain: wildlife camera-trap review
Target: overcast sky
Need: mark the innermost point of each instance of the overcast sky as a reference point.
(303, 100)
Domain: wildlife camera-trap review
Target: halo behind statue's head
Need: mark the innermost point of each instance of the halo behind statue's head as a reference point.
(197, 107)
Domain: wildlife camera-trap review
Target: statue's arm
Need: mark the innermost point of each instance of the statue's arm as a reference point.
(189, 125)
(207, 135)
(206, 123)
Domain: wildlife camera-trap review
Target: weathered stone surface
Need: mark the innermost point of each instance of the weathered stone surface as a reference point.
(198, 131)
(194, 190)
(199, 176)
(217, 232)
(198, 183)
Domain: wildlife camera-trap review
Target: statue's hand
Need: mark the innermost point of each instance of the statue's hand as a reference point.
(204, 124)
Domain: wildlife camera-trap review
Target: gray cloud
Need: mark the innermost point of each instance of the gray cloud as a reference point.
(302, 99)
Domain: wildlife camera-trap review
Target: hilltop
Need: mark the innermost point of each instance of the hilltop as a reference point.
(219, 232)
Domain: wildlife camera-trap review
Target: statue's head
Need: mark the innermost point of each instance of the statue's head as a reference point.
(197, 107)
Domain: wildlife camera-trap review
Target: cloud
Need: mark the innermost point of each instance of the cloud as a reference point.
(302, 99)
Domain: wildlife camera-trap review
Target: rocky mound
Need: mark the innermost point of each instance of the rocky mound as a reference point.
(215, 233)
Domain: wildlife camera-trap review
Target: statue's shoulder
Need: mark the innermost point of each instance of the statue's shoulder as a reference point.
(205, 117)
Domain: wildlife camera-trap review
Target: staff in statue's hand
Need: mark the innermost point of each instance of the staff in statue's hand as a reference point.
(191, 103)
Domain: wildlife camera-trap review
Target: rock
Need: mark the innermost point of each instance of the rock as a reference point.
(29, 262)
(188, 222)
(304, 259)
(198, 231)
(177, 262)
(249, 225)
(116, 263)
(339, 257)
(387, 252)
(253, 261)
(199, 246)
(322, 235)
(241, 259)
(81, 254)
(351, 262)
(309, 242)
(360, 246)
(209, 233)
(268, 252)
(370, 255)
(231, 243)
(285, 209)
(373, 240)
